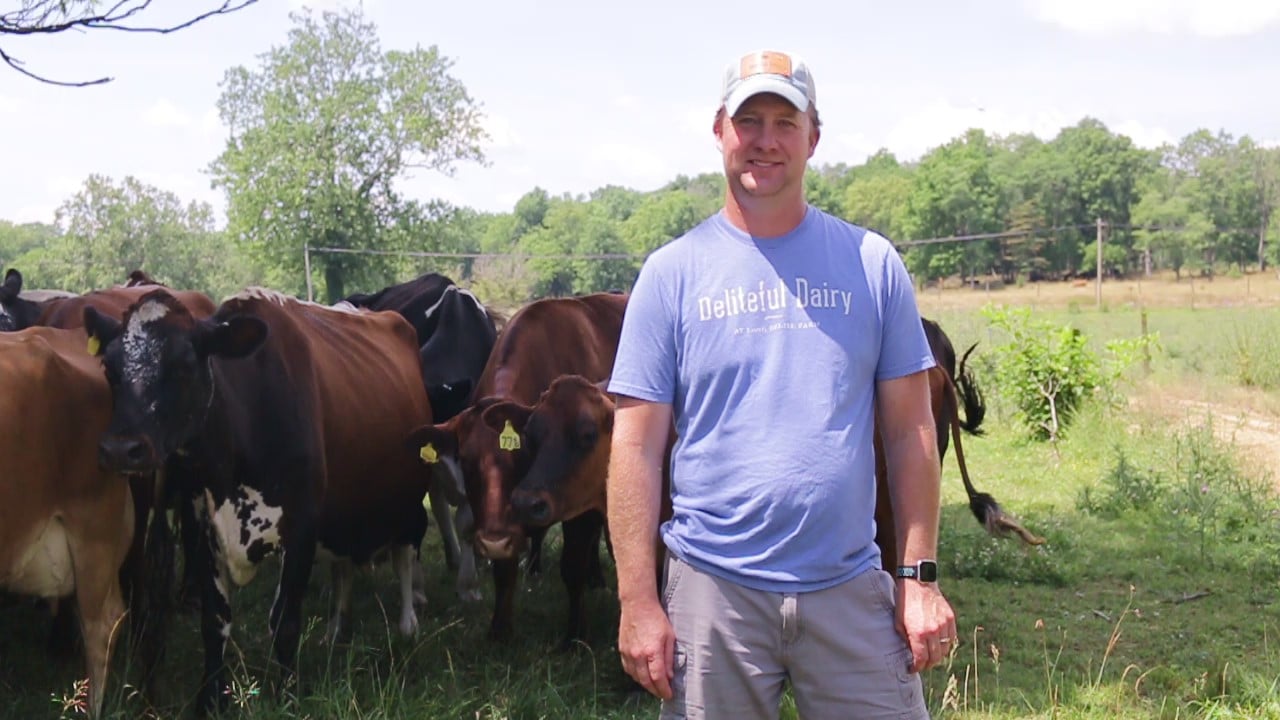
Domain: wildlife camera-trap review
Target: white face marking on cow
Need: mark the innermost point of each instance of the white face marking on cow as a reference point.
(247, 529)
(141, 346)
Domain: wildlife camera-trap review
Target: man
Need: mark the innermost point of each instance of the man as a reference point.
(775, 336)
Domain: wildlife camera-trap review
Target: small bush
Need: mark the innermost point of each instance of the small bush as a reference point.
(1125, 488)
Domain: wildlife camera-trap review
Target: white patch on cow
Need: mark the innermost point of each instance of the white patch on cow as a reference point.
(44, 567)
(346, 307)
(432, 310)
(259, 529)
(141, 346)
(474, 299)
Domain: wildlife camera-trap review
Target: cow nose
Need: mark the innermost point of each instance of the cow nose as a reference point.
(495, 547)
(124, 453)
(531, 508)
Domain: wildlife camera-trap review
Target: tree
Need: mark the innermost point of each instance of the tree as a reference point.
(18, 240)
(110, 229)
(51, 17)
(321, 131)
(660, 218)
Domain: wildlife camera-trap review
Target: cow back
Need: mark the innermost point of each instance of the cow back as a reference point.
(113, 302)
(552, 337)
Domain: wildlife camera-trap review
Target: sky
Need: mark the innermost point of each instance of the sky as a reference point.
(579, 94)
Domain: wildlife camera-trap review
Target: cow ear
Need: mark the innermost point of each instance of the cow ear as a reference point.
(100, 328)
(432, 442)
(232, 338)
(497, 416)
(12, 285)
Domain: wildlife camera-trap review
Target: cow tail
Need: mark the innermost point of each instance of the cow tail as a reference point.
(975, 407)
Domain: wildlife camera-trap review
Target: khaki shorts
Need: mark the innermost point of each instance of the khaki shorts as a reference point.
(838, 649)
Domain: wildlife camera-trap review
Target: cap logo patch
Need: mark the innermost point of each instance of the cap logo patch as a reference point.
(767, 62)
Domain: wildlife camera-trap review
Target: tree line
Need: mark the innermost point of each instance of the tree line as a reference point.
(322, 127)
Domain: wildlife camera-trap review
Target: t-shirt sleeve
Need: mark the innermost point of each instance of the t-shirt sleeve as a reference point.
(904, 348)
(645, 366)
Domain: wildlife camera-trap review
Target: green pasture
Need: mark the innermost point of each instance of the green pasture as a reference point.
(1157, 593)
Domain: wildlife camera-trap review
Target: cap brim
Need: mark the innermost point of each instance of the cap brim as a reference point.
(764, 84)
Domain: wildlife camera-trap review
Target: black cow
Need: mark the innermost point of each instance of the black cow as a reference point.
(456, 333)
(292, 415)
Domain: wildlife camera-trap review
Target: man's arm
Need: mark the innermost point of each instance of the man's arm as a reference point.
(646, 640)
(905, 415)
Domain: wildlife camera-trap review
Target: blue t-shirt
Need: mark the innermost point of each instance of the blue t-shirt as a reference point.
(768, 351)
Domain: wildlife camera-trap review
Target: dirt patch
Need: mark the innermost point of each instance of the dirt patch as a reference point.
(1255, 432)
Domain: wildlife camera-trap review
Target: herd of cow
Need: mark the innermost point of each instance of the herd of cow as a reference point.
(270, 425)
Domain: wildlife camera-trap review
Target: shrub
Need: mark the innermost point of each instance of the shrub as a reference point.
(1049, 371)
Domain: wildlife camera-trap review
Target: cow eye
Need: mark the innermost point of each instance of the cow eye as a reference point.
(587, 433)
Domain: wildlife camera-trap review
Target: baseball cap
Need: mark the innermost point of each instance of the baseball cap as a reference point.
(767, 71)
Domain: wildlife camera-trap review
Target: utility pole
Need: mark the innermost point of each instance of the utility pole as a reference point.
(306, 263)
(1097, 279)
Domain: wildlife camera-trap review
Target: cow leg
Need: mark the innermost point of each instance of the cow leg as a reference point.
(286, 611)
(341, 572)
(468, 584)
(189, 504)
(101, 603)
(215, 622)
(440, 509)
(581, 542)
(504, 600)
(403, 557)
(534, 563)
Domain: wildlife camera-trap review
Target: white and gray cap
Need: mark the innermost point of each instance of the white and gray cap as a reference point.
(768, 71)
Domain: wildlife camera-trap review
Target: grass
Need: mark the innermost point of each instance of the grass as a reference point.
(1155, 595)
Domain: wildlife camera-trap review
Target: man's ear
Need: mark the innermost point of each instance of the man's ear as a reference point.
(813, 141)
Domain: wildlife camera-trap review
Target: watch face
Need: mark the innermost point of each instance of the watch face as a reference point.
(928, 571)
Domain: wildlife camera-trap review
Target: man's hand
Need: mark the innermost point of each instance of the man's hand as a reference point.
(647, 643)
(925, 620)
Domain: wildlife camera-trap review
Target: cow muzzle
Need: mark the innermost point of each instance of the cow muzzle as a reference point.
(132, 454)
(498, 546)
(531, 508)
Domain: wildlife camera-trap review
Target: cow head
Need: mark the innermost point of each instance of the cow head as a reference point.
(485, 465)
(568, 431)
(16, 313)
(158, 364)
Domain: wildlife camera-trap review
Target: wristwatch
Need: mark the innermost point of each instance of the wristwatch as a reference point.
(923, 571)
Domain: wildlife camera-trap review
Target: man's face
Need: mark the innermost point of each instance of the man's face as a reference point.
(766, 146)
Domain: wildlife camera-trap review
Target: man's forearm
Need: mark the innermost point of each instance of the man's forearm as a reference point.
(915, 491)
(634, 489)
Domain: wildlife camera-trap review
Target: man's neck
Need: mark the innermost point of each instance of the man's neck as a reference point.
(765, 217)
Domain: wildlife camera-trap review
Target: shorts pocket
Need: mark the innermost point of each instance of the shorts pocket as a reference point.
(884, 590)
(898, 665)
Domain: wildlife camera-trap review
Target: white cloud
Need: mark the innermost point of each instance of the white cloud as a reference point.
(942, 121)
(8, 105)
(163, 113)
(34, 213)
(628, 165)
(1143, 136)
(1207, 18)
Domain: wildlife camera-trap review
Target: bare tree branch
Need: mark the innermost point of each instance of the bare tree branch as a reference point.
(48, 17)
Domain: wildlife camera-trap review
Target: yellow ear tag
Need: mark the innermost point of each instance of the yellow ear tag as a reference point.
(429, 454)
(509, 439)
(94, 345)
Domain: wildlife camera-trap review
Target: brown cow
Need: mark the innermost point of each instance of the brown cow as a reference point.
(945, 398)
(543, 340)
(293, 414)
(148, 568)
(65, 524)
